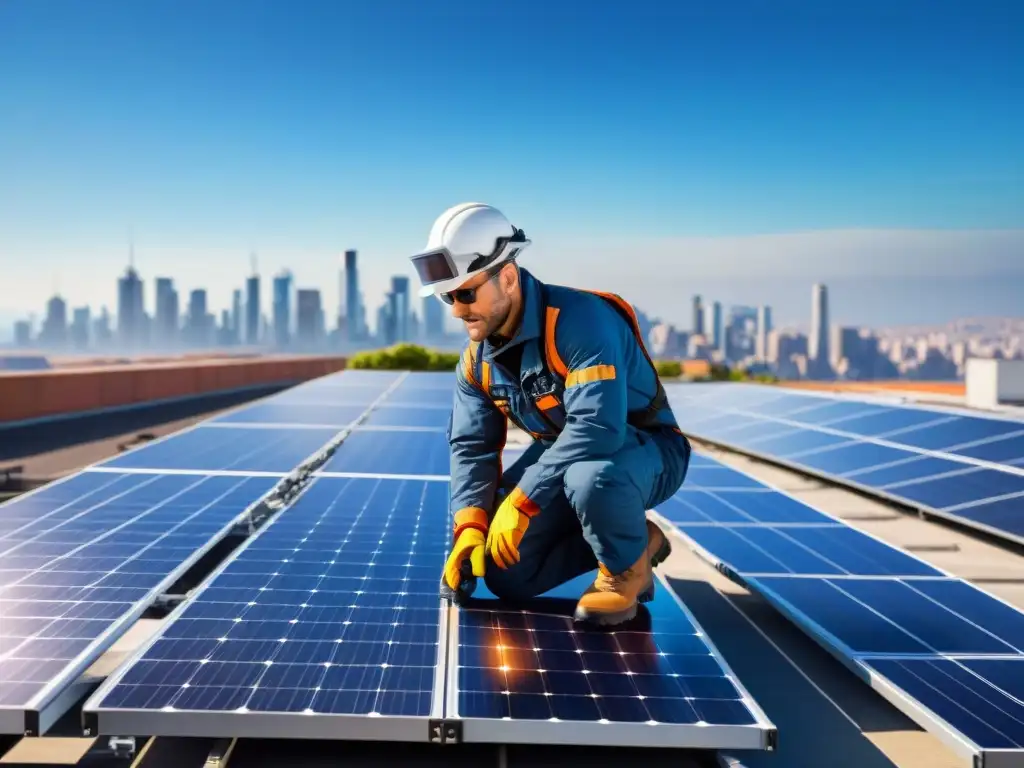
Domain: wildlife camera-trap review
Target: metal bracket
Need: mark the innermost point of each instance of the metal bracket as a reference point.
(445, 731)
(169, 601)
(220, 753)
(122, 746)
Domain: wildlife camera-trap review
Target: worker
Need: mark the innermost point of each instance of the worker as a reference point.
(568, 367)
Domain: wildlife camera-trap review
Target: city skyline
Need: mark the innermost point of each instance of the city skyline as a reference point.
(848, 144)
(1002, 294)
(745, 337)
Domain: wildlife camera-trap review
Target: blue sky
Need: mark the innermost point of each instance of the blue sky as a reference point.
(661, 149)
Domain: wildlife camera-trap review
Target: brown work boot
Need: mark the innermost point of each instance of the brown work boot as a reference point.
(658, 545)
(613, 598)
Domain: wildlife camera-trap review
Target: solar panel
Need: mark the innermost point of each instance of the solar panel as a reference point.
(983, 696)
(294, 415)
(723, 508)
(421, 396)
(81, 558)
(405, 416)
(902, 616)
(711, 478)
(532, 676)
(240, 449)
(961, 467)
(404, 452)
(878, 609)
(803, 550)
(326, 624)
(443, 380)
(354, 377)
(336, 394)
(910, 426)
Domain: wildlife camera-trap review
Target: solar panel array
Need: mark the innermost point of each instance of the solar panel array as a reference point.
(967, 468)
(330, 611)
(82, 558)
(947, 653)
(328, 622)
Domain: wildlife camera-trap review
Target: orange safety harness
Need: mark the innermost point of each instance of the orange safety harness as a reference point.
(645, 418)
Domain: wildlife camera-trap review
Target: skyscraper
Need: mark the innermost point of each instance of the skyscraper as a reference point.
(713, 325)
(385, 322)
(55, 325)
(764, 327)
(101, 327)
(252, 306)
(309, 316)
(130, 308)
(400, 306)
(166, 320)
(817, 347)
(698, 315)
(80, 326)
(198, 326)
(22, 333)
(282, 309)
(352, 304)
(433, 319)
(236, 316)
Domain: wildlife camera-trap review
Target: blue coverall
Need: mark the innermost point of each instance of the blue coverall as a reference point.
(591, 475)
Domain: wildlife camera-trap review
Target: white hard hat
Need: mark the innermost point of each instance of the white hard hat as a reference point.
(466, 240)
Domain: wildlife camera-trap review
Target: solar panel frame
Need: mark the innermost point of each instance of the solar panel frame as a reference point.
(762, 735)
(262, 460)
(39, 714)
(861, 666)
(64, 690)
(291, 416)
(729, 571)
(312, 461)
(374, 452)
(99, 720)
(860, 662)
(898, 697)
(850, 480)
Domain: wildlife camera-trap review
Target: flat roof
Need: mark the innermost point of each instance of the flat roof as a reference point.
(825, 715)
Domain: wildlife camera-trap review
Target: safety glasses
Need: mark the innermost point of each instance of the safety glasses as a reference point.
(439, 265)
(468, 295)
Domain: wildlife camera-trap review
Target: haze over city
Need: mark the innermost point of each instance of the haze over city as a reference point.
(686, 149)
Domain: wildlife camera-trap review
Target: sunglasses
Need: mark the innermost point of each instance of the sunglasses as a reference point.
(468, 295)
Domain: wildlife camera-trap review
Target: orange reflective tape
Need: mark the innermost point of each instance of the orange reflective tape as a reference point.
(470, 517)
(591, 374)
(555, 361)
(485, 382)
(548, 402)
(467, 367)
(523, 503)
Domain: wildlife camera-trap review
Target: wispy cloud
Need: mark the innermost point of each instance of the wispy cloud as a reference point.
(826, 254)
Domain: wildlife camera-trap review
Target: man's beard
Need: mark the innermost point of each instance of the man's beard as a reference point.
(496, 321)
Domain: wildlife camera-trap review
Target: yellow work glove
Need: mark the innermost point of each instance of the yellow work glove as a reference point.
(507, 529)
(468, 549)
(468, 546)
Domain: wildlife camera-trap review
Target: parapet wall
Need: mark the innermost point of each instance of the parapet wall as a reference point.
(26, 395)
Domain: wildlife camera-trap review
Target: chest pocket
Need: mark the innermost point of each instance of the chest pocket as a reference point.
(521, 410)
(545, 393)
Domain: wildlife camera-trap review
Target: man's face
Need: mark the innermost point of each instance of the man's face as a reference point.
(490, 306)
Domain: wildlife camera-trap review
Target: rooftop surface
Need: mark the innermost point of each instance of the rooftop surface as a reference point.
(824, 714)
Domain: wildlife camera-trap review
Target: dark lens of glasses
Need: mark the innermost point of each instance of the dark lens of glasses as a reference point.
(468, 295)
(463, 296)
